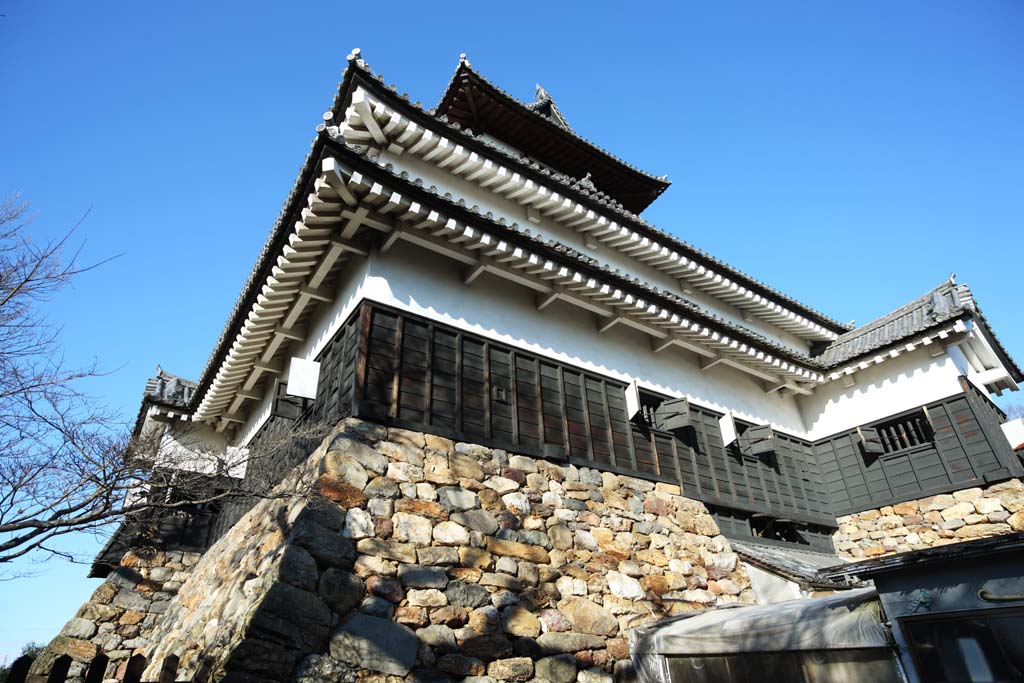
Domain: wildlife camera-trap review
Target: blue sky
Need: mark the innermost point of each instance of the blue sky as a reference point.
(850, 154)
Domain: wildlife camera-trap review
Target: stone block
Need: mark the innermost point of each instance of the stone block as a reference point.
(477, 520)
(588, 617)
(468, 595)
(375, 644)
(515, 669)
(341, 590)
(519, 621)
(451, 534)
(625, 587)
(522, 551)
(435, 556)
(557, 642)
(418, 576)
(957, 511)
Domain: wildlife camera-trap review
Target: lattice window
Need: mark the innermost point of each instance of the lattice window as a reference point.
(900, 434)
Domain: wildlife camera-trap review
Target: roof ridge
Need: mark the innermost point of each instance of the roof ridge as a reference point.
(467, 67)
(580, 185)
(886, 317)
(526, 233)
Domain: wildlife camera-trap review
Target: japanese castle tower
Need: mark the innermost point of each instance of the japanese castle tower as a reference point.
(548, 421)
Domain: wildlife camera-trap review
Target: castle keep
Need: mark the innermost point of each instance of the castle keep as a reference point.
(531, 422)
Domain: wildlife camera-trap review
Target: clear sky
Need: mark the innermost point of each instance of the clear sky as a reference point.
(851, 154)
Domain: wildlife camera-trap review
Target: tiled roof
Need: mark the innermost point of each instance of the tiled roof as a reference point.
(539, 108)
(795, 564)
(852, 342)
(946, 302)
(166, 390)
(169, 390)
(608, 273)
(584, 189)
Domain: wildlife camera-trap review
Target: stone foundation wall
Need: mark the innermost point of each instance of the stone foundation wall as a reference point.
(118, 619)
(929, 522)
(418, 559)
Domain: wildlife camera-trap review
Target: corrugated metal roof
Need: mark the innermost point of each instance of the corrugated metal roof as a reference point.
(796, 564)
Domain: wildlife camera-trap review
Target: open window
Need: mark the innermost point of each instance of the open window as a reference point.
(287, 406)
(904, 433)
(767, 527)
(760, 439)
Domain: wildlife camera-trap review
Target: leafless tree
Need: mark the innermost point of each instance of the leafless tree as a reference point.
(66, 463)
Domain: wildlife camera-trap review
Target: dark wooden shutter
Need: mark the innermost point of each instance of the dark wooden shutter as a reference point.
(672, 414)
(287, 406)
(761, 439)
(870, 441)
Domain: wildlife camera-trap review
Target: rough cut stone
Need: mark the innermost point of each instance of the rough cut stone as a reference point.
(418, 576)
(457, 498)
(487, 646)
(412, 528)
(367, 565)
(405, 471)
(477, 520)
(512, 669)
(438, 556)
(427, 597)
(624, 586)
(501, 485)
(501, 581)
(557, 669)
(298, 568)
(439, 636)
(519, 621)
(466, 594)
(375, 644)
(519, 550)
(382, 487)
(521, 462)
(588, 617)
(361, 453)
(450, 533)
(569, 642)
(358, 524)
(517, 503)
(386, 587)
(465, 466)
(340, 590)
(346, 468)
(79, 628)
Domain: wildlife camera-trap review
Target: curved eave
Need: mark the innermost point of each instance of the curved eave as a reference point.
(474, 102)
(368, 120)
(354, 198)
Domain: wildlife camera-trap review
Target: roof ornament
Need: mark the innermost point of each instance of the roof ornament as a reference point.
(952, 278)
(354, 55)
(588, 184)
(464, 60)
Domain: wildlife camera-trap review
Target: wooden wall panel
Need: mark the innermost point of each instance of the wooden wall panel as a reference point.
(410, 371)
(964, 451)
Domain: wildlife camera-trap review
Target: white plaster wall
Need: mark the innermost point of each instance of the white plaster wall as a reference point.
(409, 278)
(902, 383)
(198, 447)
(513, 212)
(322, 326)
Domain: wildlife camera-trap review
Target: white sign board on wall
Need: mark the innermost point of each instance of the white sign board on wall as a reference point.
(303, 377)
(727, 428)
(632, 399)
